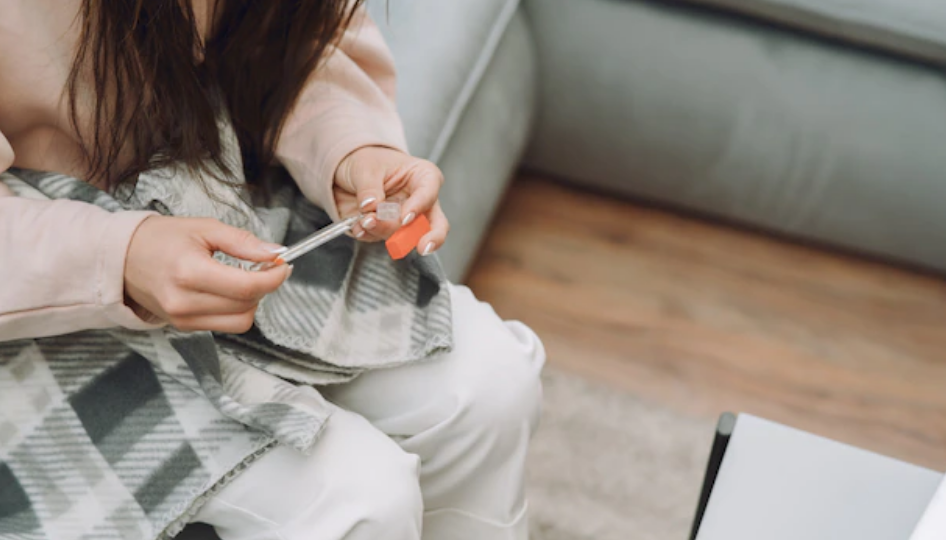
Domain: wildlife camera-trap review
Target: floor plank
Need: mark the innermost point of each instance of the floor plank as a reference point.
(704, 318)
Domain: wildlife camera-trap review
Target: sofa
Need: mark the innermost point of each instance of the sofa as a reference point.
(823, 120)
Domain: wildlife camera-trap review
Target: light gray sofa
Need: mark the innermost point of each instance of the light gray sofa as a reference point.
(466, 92)
(820, 119)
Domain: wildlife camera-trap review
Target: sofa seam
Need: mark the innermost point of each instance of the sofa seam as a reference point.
(472, 83)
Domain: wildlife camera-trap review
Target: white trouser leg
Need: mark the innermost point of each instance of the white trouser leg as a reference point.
(357, 485)
(469, 415)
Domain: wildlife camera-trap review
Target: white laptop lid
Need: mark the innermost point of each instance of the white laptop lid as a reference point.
(779, 483)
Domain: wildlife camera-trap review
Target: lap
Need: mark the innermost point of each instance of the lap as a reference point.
(485, 390)
(493, 362)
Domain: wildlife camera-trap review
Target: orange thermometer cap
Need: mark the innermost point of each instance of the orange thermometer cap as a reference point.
(401, 243)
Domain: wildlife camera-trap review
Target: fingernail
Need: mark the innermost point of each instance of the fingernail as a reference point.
(428, 249)
(359, 234)
(408, 218)
(273, 248)
(367, 201)
(369, 222)
(291, 268)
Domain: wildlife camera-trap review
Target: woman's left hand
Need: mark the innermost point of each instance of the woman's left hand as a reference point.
(373, 174)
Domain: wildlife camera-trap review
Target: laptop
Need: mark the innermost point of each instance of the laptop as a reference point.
(778, 483)
(932, 525)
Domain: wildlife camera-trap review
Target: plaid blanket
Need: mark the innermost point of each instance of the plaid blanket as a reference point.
(119, 434)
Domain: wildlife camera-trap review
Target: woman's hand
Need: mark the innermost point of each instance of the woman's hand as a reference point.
(373, 174)
(170, 272)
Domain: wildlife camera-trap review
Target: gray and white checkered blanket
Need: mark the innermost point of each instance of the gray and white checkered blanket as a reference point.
(119, 434)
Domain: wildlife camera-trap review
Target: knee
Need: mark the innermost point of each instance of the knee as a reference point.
(371, 484)
(387, 498)
(381, 492)
(500, 393)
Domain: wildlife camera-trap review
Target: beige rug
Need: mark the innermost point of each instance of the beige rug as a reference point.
(606, 466)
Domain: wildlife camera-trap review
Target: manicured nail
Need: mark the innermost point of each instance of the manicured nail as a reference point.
(359, 234)
(369, 222)
(428, 249)
(408, 218)
(274, 248)
(367, 201)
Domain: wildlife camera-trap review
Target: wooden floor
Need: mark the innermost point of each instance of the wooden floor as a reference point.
(704, 318)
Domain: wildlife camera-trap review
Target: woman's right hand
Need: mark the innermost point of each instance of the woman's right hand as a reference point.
(170, 272)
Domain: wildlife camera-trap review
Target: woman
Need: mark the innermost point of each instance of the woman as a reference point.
(112, 91)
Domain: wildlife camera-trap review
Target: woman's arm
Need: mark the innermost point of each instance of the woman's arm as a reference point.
(67, 266)
(62, 267)
(347, 104)
(61, 264)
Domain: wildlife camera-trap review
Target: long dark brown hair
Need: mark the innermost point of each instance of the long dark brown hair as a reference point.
(155, 89)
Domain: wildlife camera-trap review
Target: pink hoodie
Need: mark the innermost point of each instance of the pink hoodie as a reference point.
(62, 262)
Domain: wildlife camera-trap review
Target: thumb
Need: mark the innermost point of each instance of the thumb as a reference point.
(238, 243)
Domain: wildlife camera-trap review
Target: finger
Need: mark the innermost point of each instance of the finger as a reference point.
(220, 280)
(377, 228)
(346, 204)
(237, 242)
(369, 222)
(202, 304)
(424, 183)
(359, 233)
(238, 323)
(439, 228)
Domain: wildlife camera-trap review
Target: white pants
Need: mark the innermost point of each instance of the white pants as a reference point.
(434, 450)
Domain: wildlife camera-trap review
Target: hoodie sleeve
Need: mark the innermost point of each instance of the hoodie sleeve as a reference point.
(347, 104)
(62, 265)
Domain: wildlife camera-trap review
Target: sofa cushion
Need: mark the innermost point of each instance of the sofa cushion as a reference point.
(912, 28)
(732, 119)
(441, 50)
